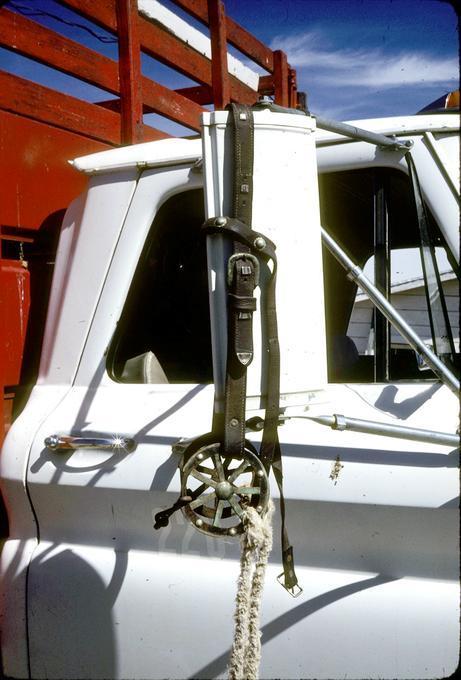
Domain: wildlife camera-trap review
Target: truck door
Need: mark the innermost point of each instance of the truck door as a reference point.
(107, 595)
(371, 519)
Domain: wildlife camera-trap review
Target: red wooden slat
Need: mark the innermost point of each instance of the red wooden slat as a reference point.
(168, 49)
(153, 39)
(30, 39)
(238, 36)
(114, 105)
(281, 78)
(41, 103)
(163, 100)
(219, 69)
(102, 12)
(161, 45)
(170, 104)
(200, 94)
(241, 93)
(129, 62)
(266, 85)
(13, 237)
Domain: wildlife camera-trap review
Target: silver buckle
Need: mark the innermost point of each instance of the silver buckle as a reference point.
(237, 256)
(295, 591)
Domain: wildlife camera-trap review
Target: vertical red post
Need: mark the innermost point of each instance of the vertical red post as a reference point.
(219, 70)
(129, 64)
(281, 78)
(292, 88)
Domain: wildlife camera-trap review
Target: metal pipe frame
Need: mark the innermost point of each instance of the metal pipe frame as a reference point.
(340, 422)
(362, 135)
(378, 299)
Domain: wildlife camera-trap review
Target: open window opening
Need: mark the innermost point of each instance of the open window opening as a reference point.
(371, 213)
(408, 296)
(164, 332)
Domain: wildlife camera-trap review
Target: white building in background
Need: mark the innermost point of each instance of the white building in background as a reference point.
(409, 299)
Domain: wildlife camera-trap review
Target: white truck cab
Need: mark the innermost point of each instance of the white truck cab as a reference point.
(89, 589)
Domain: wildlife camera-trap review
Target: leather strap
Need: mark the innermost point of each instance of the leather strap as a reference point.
(248, 248)
(270, 452)
(243, 149)
(242, 270)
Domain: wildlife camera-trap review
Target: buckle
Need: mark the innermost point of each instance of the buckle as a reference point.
(295, 591)
(237, 256)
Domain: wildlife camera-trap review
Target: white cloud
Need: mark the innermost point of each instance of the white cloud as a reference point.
(364, 67)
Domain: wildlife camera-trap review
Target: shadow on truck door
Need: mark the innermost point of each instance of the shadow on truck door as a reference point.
(285, 621)
(82, 603)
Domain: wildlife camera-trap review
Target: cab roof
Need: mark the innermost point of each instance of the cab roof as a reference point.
(177, 150)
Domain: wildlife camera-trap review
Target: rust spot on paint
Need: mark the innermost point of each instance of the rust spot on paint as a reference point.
(336, 469)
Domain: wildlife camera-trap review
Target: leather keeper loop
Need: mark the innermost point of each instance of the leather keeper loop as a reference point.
(242, 303)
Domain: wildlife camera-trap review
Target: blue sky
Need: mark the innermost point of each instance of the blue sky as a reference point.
(361, 58)
(354, 58)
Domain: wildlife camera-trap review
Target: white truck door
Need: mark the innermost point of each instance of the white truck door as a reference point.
(370, 518)
(107, 595)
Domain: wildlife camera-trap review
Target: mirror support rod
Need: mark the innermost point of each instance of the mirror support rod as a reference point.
(356, 274)
(363, 135)
(340, 422)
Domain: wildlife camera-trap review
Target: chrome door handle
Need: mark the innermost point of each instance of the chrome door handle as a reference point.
(114, 443)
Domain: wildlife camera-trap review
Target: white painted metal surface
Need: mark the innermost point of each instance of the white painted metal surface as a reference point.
(88, 238)
(398, 125)
(286, 209)
(150, 154)
(154, 188)
(17, 551)
(376, 550)
(336, 153)
(90, 590)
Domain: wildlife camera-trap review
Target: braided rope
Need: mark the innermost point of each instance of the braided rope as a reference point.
(256, 544)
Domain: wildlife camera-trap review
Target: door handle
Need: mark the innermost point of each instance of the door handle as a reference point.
(69, 443)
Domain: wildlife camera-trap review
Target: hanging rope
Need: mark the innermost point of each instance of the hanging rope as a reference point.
(256, 544)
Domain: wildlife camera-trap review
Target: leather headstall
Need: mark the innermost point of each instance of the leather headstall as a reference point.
(252, 254)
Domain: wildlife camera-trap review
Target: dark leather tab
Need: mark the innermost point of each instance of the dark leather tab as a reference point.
(242, 303)
(289, 568)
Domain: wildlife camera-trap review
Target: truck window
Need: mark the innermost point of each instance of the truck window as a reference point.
(164, 332)
(407, 295)
(349, 204)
